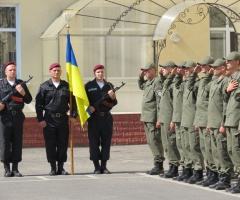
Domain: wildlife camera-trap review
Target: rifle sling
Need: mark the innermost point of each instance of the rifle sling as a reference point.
(17, 99)
(105, 103)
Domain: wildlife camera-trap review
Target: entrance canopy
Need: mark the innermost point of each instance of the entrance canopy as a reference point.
(131, 17)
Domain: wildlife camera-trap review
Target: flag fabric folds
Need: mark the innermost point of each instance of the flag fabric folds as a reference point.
(76, 84)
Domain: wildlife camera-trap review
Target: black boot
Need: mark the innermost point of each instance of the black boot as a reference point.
(15, 171)
(61, 170)
(182, 174)
(97, 167)
(163, 174)
(223, 184)
(7, 172)
(197, 176)
(172, 173)
(212, 180)
(186, 176)
(208, 176)
(236, 189)
(157, 169)
(53, 171)
(104, 169)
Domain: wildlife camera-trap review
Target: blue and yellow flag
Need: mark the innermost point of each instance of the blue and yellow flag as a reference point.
(76, 84)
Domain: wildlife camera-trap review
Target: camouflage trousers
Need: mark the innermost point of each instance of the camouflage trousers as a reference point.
(180, 141)
(192, 144)
(169, 144)
(154, 141)
(206, 149)
(233, 146)
(220, 154)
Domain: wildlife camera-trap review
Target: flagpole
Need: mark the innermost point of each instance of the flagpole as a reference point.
(67, 18)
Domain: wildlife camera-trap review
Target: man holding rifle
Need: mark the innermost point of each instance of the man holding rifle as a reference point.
(12, 119)
(100, 124)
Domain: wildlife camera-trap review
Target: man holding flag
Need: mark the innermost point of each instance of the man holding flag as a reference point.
(100, 124)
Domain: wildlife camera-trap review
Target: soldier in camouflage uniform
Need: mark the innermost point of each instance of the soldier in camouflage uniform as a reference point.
(232, 122)
(167, 126)
(200, 120)
(215, 125)
(152, 92)
(194, 157)
(177, 113)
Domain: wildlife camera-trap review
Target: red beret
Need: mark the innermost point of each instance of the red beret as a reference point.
(98, 67)
(9, 63)
(54, 65)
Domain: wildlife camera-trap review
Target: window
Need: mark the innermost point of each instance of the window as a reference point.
(7, 36)
(223, 39)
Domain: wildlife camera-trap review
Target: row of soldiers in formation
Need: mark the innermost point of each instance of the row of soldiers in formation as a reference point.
(192, 113)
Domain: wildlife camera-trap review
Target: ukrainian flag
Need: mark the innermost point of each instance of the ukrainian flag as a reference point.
(76, 84)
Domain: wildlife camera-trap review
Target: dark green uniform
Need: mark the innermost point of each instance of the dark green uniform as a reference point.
(177, 115)
(151, 95)
(232, 123)
(192, 143)
(216, 111)
(201, 118)
(165, 117)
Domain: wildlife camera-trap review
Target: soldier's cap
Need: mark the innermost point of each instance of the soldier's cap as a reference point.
(9, 63)
(99, 66)
(206, 60)
(190, 64)
(181, 63)
(54, 65)
(219, 62)
(168, 64)
(148, 66)
(234, 55)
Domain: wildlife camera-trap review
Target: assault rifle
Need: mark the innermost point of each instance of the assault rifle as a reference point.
(14, 91)
(104, 97)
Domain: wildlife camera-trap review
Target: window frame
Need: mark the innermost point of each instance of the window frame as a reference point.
(17, 33)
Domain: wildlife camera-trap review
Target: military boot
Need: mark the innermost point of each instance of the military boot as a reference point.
(104, 169)
(212, 180)
(197, 176)
(224, 183)
(182, 174)
(97, 167)
(163, 174)
(53, 171)
(236, 189)
(185, 177)
(157, 169)
(15, 171)
(7, 172)
(61, 170)
(172, 173)
(208, 176)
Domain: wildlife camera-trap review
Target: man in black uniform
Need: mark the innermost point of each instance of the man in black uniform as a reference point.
(12, 119)
(54, 98)
(100, 124)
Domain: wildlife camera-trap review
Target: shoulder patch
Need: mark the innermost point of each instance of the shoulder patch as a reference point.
(158, 92)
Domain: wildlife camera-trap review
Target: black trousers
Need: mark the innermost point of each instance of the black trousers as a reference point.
(56, 135)
(11, 136)
(100, 129)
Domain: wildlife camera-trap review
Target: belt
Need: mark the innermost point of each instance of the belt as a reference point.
(13, 112)
(102, 114)
(57, 115)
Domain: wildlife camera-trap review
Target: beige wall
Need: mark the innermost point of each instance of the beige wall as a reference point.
(194, 41)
